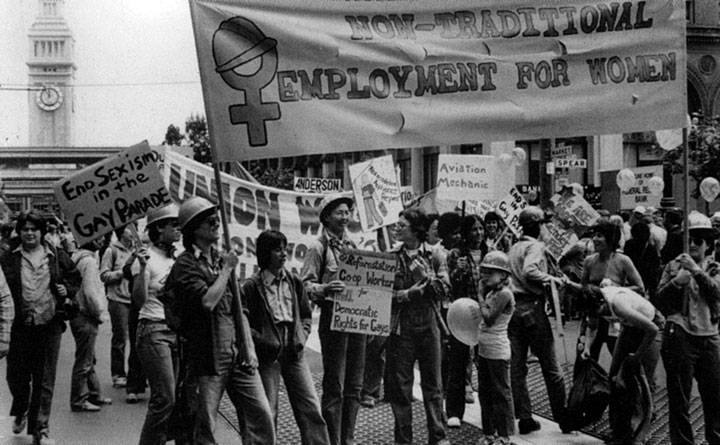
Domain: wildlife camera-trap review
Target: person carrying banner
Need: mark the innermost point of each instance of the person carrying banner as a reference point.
(280, 320)
(529, 326)
(343, 354)
(156, 341)
(40, 281)
(689, 296)
(211, 322)
(416, 328)
(85, 390)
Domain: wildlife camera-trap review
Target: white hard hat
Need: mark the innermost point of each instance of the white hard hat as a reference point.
(463, 319)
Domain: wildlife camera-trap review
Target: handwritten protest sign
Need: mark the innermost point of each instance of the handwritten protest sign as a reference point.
(377, 192)
(557, 239)
(365, 307)
(574, 210)
(640, 194)
(111, 193)
(473, 177)
(509, 209)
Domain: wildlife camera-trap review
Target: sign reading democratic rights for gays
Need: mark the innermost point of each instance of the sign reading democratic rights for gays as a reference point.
(364, 308)
(111, 193)
(282, 77)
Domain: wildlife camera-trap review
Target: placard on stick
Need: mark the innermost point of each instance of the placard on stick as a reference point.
(111, 193)
(509, 209)
(376, 191)
(365, 306)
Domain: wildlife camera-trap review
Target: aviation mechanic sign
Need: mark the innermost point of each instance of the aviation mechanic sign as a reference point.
(282, 77)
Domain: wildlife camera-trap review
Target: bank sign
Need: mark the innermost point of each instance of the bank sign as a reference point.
(282, 77)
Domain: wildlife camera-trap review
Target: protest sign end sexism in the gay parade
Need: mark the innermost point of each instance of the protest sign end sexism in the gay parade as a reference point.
(111, 193)
(416, 73)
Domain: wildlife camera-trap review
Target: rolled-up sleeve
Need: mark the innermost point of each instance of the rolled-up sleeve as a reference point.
(311, 271)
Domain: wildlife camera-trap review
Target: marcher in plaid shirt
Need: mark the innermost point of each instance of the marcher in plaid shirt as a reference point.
(415, 330)
(463, 263)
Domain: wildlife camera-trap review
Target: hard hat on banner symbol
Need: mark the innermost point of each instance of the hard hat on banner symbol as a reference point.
(625, 179)
(656, 185)
(463, 319)
(709, 189)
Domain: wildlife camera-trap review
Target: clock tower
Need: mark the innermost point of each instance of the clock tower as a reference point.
(51, 72)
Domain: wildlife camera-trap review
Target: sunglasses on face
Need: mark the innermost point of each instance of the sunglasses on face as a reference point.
(212, 220)
(697, 240)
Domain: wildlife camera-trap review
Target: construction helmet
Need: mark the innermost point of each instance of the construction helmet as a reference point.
(168, 212)
(463, 319)
(496, 260)
(192, 208)
(332, 201)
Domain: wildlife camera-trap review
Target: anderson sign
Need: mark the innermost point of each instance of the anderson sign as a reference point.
(283, 77)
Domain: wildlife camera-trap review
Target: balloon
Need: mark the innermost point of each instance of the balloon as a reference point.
(519, 155)
(656, 185)
(506, 161)
(669, 139)
(625, 179)
(709, 189)
(463, 319)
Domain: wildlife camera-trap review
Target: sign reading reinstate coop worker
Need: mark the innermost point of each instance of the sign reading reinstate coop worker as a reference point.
(365, 306)
(111, 193)
(317, 185)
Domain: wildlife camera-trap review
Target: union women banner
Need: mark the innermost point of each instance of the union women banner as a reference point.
(283, 77)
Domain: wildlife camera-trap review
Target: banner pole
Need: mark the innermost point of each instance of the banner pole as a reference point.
(686, 197)
(242, 332)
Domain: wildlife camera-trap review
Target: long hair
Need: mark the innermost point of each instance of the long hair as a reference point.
(418, 222)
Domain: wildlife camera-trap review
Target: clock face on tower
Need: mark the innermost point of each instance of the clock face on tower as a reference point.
(49, 98)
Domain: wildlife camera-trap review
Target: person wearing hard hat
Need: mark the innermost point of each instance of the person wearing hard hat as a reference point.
(343, 354)
(497, 305)
(416, 327)
(211, 321)
(689, 296)
(156, 341)
(529, 326)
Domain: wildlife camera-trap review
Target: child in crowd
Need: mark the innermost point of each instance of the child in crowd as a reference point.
(493, 359)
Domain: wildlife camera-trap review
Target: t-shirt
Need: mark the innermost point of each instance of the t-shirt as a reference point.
(156, 273)
(494, 343)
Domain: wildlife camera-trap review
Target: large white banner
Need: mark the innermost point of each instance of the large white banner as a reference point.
(287, 77)
(252, 208)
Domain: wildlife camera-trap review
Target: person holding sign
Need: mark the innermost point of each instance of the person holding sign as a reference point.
(529, 326)
(40, 281)
(343, 354)
(211, 323)
(416, 328)
(280, 319)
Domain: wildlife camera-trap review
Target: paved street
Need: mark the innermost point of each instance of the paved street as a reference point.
(120, 423)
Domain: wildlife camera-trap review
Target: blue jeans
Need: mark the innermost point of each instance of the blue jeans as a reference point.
(457, 355)
(374, 366)
(119, 320)
(419, 340)
(529, 328)
(245, 389)
(157, 349)
(343, 357)
(31, 368)
(84, 384)
(496, 402)
(304, 401)
(686, 357)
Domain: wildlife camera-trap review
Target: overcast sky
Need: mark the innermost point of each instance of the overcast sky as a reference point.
(123, 50)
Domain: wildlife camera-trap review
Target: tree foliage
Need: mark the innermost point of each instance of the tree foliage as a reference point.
(196, 133)
(277, 177)
(173, 136)
(703, 154)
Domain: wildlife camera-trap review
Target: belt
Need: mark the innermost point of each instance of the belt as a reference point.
(149, 321)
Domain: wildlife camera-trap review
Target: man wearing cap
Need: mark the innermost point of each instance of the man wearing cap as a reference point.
(343, 354)
(529, 326)
(156, 342)
(215, 328)
(689, 296)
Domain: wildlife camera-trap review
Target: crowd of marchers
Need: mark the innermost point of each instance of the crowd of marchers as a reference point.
(195, 333)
